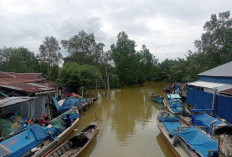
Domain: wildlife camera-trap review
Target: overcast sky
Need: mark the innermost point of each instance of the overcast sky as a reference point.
(167, 27)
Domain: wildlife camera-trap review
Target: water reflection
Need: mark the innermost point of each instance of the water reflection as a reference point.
(127, 123)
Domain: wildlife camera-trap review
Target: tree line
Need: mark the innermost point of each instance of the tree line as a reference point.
(87, 62)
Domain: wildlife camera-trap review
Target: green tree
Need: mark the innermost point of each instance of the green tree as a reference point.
(125, 59)
(49, 53)
(83, 49)
(216, 42)
(17, 60)
(74, 76)
(148, 64)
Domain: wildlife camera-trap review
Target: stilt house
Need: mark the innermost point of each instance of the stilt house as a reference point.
(213, 91)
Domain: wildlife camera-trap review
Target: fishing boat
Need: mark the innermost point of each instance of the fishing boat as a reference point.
(74, 146)
(183, 140)
(174, 104)
(38, 137)
(50, 145)
(156, 98)
(210, 122)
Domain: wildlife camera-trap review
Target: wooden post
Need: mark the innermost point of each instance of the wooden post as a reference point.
(82, 91)
(108, 85)
(104, 77)
(96, 84)
(214, 98)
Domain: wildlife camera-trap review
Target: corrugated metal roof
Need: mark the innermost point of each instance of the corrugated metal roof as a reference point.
(25, 76)
(5, 75)
(30, 87)
(205, 84)
(7, 81)
(210, 85)
(14, 100)
(224, 70)
(227, 92)
(26, 82)
(29, 76)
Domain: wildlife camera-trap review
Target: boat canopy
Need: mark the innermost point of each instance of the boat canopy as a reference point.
(199, 141)
(173, 96)
(205, 120)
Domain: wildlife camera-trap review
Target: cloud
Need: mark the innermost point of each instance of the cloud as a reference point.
(168, 28)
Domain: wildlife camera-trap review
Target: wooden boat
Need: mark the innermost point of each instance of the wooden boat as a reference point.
(156, 98)
(27, 142)
(74, 146)
(186, 140)
(174, 105)
(49, 145)
(213, 124)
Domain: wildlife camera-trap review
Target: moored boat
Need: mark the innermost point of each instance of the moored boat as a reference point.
(174, 104)
(38, 137)
(185, 140)
(210, 122)
(75, 145)
(156, 98)
(50, 145)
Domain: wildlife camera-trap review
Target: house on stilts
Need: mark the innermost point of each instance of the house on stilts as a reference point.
(213, 91)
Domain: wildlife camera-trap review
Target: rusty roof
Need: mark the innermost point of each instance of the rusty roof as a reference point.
(29, 87)
(29, 76)
(5, 75)
(26, 82)
(26, 76)
(7, 81)
(227, 92)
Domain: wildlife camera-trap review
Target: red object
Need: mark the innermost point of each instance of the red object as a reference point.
(76, 95)
(67, 94)
(29, 120)
(42, 120)
(169, 84)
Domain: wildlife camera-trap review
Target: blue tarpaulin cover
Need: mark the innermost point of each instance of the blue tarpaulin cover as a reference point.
(167, 117)
(199, 141)
(199, 99)
(177, 107)
(172, 127)
(39, 132)
(70, 102)
(204, 120)
(67, 104)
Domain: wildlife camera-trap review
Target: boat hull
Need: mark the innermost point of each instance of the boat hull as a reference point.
(74, 146)
(157, 100)
(55, 143)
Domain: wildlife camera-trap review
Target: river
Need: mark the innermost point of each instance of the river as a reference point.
(127, 123)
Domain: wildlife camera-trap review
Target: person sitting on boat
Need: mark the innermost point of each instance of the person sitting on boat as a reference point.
(68, 121)
(42, 120)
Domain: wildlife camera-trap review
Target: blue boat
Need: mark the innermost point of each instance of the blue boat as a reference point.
(25, 141)
(174, 104)
(186, 140)
(52, 144)
(210, 122)
(37, 136)
(156, 98)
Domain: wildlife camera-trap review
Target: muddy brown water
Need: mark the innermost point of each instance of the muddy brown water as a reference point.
(127, 123)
